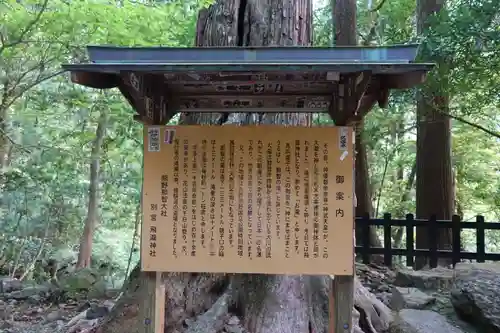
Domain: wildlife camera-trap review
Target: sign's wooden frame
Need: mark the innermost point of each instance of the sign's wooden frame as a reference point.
(340, 299)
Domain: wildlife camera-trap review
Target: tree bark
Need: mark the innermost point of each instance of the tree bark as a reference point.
(398, 235)
(345, 22)
(263, 23)
(434, 169)
(4, 141)
(363, 191)
(86, 240)
(199, 303)
(345, 34)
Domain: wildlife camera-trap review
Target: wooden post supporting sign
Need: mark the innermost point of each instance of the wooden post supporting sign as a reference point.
(341, 304)
(152, 310)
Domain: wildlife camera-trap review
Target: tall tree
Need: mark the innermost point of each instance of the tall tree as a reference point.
(265, 303)
(434, 188)
(257, 26)
(345, 34)
(91, 221)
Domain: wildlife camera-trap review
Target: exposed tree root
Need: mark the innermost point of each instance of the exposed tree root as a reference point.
(212, 320)
(374, 316)
(205, 303)
(319, 287)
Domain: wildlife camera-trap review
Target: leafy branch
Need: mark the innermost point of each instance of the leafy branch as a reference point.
(378, 6)
(476, 126)
(372, 31)
(25, 31)
(41, 78)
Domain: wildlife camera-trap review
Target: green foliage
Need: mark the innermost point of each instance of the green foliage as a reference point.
(51, 124)
(465, 40)
(323, 26)
(392, 23)
(467, 36)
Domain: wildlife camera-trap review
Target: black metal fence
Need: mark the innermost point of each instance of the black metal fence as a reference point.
(433, 225)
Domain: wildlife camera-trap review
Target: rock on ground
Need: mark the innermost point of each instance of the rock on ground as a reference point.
(414, 298)
(476, 294)
(421, 321)
(374, 277)
(73, 304)
(432, 294)
(8, 285)
(34, 308)
(30, 292)
(431, 279)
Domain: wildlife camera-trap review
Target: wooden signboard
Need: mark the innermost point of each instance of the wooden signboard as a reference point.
(270, 103)
(248, 199)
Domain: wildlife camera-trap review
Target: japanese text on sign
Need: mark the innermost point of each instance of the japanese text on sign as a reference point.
(255, 199)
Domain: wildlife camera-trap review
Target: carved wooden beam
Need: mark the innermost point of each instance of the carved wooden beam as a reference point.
(362, 82)
(148, 95)
(365, 105)
(156, 102)
(346, 101)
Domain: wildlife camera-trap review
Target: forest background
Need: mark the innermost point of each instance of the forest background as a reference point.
(71, 157)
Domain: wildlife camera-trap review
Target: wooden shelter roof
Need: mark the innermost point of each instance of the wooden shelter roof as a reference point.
(342, 81)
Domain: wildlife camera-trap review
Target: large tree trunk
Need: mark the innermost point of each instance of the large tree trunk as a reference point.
(199, 303)
(434, 170)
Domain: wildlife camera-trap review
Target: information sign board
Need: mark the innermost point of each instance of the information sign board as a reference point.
(248, 199)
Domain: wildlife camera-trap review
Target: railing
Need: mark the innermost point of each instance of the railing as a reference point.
(433, 254)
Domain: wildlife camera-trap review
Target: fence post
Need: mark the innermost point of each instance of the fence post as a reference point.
(480, 243)
(409, 240)
(433, 241)
(387, 240)
(365, 238)
(456, 241)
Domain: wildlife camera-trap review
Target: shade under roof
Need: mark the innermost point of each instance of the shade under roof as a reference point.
(262, 79)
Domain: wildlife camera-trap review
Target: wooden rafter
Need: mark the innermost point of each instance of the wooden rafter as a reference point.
(148, 95)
